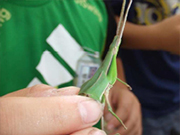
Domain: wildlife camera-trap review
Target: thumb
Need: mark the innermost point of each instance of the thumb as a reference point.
(47, 115)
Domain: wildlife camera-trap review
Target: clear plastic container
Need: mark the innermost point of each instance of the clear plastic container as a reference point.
(86, 67)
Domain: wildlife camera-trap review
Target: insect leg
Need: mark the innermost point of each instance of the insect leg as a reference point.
(102, 118)
(102, 123)
(124, 83)
(106, 94)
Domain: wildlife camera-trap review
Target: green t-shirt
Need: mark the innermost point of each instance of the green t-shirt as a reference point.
(41, 40)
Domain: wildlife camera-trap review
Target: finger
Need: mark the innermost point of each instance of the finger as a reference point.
(129, 131)
(47, 115)
(122, 132)
(133, 123)
(48, 91)
(42, 90)
(135, 130)
(31, 91)
(140, 130)
(90, 131)
(68, 91)
(108, 116)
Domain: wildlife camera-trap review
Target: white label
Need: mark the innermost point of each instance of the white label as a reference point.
(85, 72)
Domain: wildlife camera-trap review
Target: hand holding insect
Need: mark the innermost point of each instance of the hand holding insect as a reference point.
(99, 85)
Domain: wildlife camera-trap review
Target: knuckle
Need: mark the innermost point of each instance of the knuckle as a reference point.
(39, 87)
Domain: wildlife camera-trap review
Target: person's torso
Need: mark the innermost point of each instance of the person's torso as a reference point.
(41, 41)
(153, 75)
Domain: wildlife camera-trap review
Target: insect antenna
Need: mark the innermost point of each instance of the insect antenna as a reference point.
(123, 19)
(120, 23)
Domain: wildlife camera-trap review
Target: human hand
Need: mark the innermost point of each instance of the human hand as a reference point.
(42, 110)
(127, 108)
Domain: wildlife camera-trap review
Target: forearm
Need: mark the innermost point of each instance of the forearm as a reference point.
(139, 37)
(164, 35)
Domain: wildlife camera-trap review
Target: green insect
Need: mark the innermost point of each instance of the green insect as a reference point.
(99, 85)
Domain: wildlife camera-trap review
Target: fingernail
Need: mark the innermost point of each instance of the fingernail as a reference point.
(97, 132)
(110, 126)
(90, 111)
(108, 117)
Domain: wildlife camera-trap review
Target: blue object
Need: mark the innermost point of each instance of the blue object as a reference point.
(153, 75)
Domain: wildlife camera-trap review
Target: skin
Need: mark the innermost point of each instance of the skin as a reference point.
(126, 106)
(164, 36)
(44, 110)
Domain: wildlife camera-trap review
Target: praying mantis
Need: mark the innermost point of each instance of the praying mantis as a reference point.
(103, 80)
